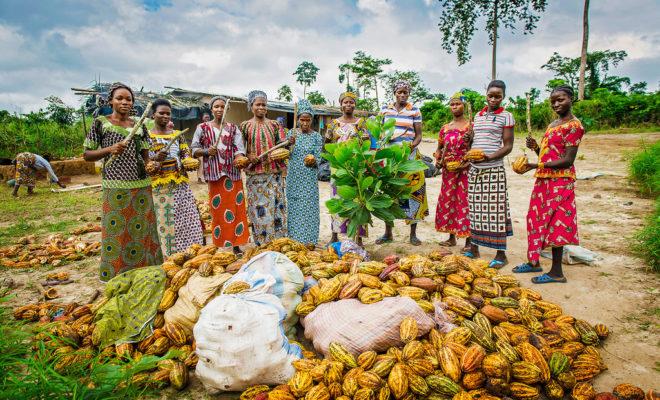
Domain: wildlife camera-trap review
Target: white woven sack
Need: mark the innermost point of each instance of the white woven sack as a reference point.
(241, 342)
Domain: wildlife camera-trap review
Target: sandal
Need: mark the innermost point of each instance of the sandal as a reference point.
(497, 264)
(469, 254)
(415, 241)
(526, 267)
(545, 278)
(384, 239)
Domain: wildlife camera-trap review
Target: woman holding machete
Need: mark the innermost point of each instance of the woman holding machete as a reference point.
(219, 143)
(179, 225)
(266, 186)
(129, 237)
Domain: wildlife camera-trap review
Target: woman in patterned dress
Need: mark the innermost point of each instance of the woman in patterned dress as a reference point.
(488, 197)
(226, 195)
(266, 186)
(302, 189)
(340, 130)
(552, 215)
(451, 215)
(179, 225)
(129, 237)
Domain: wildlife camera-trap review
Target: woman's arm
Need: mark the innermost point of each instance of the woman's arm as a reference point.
(565, 162)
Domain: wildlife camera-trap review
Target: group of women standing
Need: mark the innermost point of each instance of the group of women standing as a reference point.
(473, 201)
(147, 217)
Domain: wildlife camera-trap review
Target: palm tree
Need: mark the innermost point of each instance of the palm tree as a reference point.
(583, 56)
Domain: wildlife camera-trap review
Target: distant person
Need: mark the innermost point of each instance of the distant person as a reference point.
(206, 117)
(552, 215)
(179, 226)
(490, 218)
(27, 165)
(451, 215)
(129, 236)
(282, 122)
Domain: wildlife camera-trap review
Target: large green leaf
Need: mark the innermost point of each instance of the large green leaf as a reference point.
(398, 181)
(334, 205)
(347, 192)
(410, 166)
(330, 147)
(366, 182)
(380, 201)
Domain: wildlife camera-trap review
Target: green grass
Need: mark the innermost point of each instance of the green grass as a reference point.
(646, 242)
(27, 369)
(45, 212)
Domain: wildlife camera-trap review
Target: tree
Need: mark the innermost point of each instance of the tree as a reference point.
(418, 92)
(367, 70)
(345, 74)
(306, 75)
(459, 17)
(59, 112)
(316, 98)
(583, 55)
(284, 93)
(598, 65)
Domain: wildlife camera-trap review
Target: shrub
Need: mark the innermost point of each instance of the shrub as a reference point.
(647, 239)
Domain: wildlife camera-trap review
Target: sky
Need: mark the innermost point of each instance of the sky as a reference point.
(232, 47)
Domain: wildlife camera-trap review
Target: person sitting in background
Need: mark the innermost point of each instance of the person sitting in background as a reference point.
(27, 165)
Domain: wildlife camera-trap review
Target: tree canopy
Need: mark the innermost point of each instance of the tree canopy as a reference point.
(316, 98)
(306, 74)
(284, 93)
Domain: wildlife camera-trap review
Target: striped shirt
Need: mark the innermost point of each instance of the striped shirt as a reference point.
(404, 130)
(229, 145)
(489, 133)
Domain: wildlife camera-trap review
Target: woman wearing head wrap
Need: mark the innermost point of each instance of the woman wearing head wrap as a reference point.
(451, 215)
(341, 129)
(302, 189)
(179, 225)
(407, 131)
(552, 215)
(129, 237)
(266, 187)
(219, 145)
(488, 198)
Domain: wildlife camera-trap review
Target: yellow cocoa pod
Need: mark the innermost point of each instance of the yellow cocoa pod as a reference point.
(408, 329)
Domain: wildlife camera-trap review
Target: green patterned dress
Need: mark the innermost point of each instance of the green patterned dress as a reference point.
(129, 237)
(302, 189)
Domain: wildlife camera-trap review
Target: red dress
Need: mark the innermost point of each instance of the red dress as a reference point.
(552, 215)
(451, 214)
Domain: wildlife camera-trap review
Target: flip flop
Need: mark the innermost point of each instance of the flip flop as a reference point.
(468, 254)
(545, 278)
(497, 264)
(526, 267)
(383, 240)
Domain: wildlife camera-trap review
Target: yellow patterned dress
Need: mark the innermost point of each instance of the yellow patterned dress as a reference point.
(179, 224)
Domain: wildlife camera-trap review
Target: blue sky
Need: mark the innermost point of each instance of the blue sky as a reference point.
(232, 47)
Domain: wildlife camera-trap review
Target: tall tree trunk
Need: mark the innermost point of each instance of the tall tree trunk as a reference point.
(304, 91)
(585, 42)
(494, 61)
(376, 91)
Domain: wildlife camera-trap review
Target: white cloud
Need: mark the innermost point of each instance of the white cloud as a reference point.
(236, 46)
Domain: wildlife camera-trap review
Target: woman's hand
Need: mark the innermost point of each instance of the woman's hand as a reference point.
(253, 158)
(531, 143)
(486, 158)
(118, 148)
(292, 140)
(160, 156)
(212, 152)
(469, 135)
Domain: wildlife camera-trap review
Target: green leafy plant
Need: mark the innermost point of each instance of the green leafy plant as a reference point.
(370, 181)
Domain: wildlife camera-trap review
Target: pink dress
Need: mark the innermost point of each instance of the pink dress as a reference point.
(451, 214)
(552, 215)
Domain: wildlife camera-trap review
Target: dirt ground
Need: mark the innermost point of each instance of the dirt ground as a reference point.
(617, 290)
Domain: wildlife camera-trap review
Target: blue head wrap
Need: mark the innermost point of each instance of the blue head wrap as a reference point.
(305, 107)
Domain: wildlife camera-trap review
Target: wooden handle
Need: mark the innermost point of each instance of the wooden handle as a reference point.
(529, 115)
(222, 121)
(171, 142)
(136, 127)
